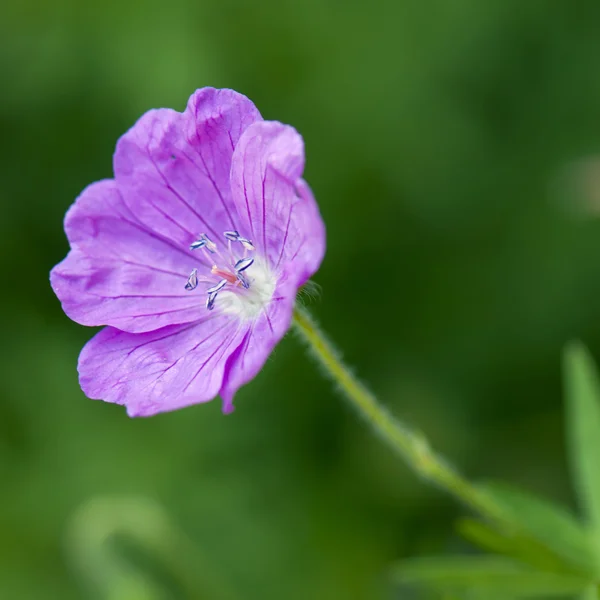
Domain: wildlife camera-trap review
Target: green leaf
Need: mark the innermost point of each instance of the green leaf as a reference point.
(548, 523)
(582, 391)
(486, 573)
(590, 593)
(513, 544)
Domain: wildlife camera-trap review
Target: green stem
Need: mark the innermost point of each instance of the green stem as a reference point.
(411, 445)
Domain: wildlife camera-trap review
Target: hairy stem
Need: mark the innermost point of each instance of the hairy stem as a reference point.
(411, 445)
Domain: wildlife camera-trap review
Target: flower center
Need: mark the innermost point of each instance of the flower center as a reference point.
(242, 281)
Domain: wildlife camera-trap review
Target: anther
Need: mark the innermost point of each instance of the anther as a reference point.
(198, 244)
(212, 293)
(246, 243)
(243, 280)
(234, 236)
(243, 264)
(217, 288)
(210, 245)
(192, 281)
(204, 241)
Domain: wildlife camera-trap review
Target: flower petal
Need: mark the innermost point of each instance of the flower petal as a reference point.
(161, 370)
(304, 240)
(120, 273)
(273, 202)
(258, 343)
(173, 168)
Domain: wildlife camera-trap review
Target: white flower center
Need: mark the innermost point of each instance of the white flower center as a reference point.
(243, 283)
(247, 304)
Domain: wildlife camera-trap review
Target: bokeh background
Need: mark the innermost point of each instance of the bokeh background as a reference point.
(453, 147)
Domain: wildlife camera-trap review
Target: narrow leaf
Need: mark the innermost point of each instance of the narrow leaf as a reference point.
(582, 391)
(486, 574)
(548, 523)
(512, 544)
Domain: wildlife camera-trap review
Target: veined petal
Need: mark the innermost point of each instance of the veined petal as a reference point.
(161, 370)
(262, 336)
(304, 240)
(272, 200)
(182, 179)
(173, 168)
(119, 272)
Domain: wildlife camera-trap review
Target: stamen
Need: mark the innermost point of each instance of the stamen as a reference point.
(246, 243)
(243, 264)
(227, 265)
(234, 236)
(210, 245)
(192, 282)
(212, 293)
(204, 241)
(218, 287)
(243, 280)
(198, 244)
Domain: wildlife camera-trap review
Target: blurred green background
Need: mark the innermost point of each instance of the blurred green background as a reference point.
(452, 145)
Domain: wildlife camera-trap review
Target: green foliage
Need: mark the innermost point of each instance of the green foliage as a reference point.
(509, 541)
(444, 140)
(549, 524)
(492, 575)
(592, 592)
(124, 544)
(583, 418)
(552, 552)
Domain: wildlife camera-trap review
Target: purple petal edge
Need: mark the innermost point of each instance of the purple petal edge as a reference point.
(158, 371)
(130, 236)
(215, 167)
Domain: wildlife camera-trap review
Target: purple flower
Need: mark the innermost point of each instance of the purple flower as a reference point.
(192, 255)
